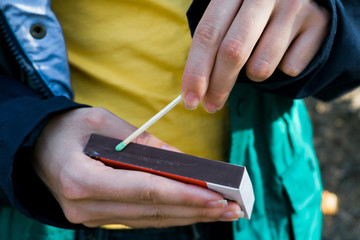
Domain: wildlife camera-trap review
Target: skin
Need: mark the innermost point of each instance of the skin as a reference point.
(94, 194)
(259, 36)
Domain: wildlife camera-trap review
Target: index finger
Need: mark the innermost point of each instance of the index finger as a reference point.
(206, 41)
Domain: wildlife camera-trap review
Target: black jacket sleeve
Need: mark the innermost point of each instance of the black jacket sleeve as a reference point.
(334, 71)
(23, 115)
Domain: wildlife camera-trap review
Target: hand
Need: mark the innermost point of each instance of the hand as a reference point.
(260, 35)
(94, 194)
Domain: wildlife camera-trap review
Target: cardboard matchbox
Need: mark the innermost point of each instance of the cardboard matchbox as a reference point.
(231, 181)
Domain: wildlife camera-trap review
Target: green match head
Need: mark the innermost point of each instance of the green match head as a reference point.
(120, 146)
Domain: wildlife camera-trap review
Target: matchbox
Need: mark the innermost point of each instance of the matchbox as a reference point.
(231, 181)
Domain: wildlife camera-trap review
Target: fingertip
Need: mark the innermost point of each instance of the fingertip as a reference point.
(191, 101)
(210, 108)
(231, 216)
(258, 70)
(290, 69)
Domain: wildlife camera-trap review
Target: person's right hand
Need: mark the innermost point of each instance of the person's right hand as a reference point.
(93, 194)
(258, 36)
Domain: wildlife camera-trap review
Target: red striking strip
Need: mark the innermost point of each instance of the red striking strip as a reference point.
(121, 165)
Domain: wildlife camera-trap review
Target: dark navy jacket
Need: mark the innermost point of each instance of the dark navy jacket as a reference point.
(34, 85)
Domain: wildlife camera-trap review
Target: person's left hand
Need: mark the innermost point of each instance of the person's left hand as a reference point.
(260, 35)
(93, 194)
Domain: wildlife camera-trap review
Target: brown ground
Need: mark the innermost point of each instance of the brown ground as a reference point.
(337, 141)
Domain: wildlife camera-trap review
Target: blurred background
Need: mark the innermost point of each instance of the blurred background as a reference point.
(337, 142)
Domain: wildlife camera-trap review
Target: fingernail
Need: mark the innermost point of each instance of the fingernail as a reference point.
(169, 148)
(232, 215)
(217, 204)
(210, 108)
(191, 101)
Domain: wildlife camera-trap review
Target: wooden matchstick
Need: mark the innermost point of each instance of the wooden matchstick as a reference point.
(146, 125)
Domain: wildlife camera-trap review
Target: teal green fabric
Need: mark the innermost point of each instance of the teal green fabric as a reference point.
(16, 226)
(272, 137)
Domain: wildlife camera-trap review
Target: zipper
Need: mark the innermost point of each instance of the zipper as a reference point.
(32, 76)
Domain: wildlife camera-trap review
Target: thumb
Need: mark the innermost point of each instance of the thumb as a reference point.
(111, 125)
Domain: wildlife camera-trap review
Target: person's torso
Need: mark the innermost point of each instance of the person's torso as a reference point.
(128, 56)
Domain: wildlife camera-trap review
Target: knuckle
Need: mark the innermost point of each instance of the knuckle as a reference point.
(260, 70)
(206, 216)
(144, 138)
(234, 50)
(295, 7)
(201, 215)
(196, 82)
(207, 35)
(217, 96)
(157, 214)
(73, 214)
(70, 188)
(196, 78)
(148, 194)
(96, 117)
